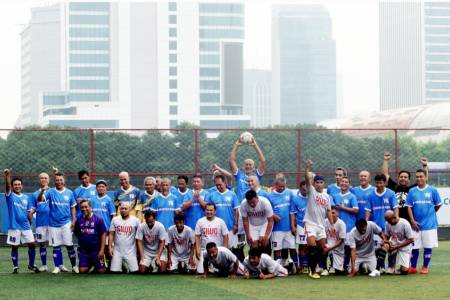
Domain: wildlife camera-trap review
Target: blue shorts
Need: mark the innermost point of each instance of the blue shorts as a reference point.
(89, 259)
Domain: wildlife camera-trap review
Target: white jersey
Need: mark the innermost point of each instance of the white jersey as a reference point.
(125, 234)
(317, 207)
(257, 215)
(224, 260)
(364, 243)
(151, 237)
(266, 265)
(181, 242)
(333, 238)
(211, 231)
(399, 232)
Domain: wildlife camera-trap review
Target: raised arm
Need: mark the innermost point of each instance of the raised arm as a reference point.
(385, 166)
(307, 171)
(424, 162)
(224, 172)
(7, 173)
(233, 165)
(261, 158)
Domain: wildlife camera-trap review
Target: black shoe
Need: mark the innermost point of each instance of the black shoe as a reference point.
(15, 270)
(34, 269)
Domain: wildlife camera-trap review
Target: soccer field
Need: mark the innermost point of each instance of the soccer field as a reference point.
(25, 285)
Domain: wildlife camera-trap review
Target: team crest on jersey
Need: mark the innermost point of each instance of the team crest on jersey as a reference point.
(427, 195)
(170, 202)
(228, 199)
(131, 196)
(386, 200)
(92, 193)
(103, 203)
(66, 197)
(286, 197)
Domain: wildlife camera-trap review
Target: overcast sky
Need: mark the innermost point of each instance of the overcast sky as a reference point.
(355, 29)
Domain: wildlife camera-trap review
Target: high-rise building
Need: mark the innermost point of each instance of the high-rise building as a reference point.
(257, 96)
(303, 65)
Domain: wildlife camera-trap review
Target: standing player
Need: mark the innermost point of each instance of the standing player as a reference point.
(102, 204)
(335, 248)
(223, 260)
(249, 168)
(181, 242)
(362, 243)
(127, 193)
(42, 219)
(147, 196)
(165, 205)
(19, 229)
(86, 191)
(257, 216)
(253, 184)
(400, 236)
(91, 233)
(423, 202)
(122, 240)
(209, 229)
(335, 188)
(262, 266)
(362, 193)
(151, 238)
(317, 209)
(194, 207)
(62, 219)
(183, 193)
(298, 209)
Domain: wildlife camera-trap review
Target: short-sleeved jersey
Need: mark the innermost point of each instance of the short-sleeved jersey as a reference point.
(399, 232)
(226, 203)
(165, 207)
(41, 208)
(256, 215)
(281, 204)
(364, 243)
(266, 265)
(125, 234)
(130, 195)
(104, 208)
(193, 213)
(362, 196)
(261, 192)
(333, 189)
(349, 201)
(182, 196)
(317, 207)
(145, 199)
(241, 180)
(181, 241)
(85, 193)
(298, 207)
(224, 259)
(60, 204)
(423, 203)
(378, 204)
(18, 207)
(151, 237)
(89, 233)
(401, 193)
(211, 231)
(339, 234)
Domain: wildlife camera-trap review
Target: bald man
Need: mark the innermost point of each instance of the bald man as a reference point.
(127, 193)
(362, 193)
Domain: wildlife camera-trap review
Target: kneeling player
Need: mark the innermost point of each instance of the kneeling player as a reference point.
(180, 251)
(261, 265)
(150, 238)
(221, 258)
(91, 233)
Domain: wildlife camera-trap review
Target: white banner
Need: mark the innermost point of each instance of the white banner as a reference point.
(444, 212)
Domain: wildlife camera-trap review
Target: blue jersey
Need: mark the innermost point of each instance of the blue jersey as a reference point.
(104, 208)
(182, 197)
(423, 203)
(226, 203)
(18, 207)
(194, 212)
(378, 204)
(60, 204)
(298, 207)
(333, 189)
(41, 208)
(131, 195)
(145, 198)
(85, 193)
(281, 204)
(164, 206)
(362, 194)
(242, 183)
(349, 201)
(262, 193)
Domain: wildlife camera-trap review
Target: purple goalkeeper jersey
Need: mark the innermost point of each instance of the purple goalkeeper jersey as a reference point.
(89, 233)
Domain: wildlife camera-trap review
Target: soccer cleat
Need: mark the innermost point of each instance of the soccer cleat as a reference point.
(382, 271)
(15, 270)
(390, 271)
(324, 273)
(331, 271)
(424, 270)
(75, 270)
(56, 270)
(375, 273)
(43, 269)
(314, 275)
(305, 270)
(412, 271)
(34, 269)
(63, 268)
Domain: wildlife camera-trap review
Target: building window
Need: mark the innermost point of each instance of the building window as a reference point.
(172, 32)
(209, 72)
(224, 8)
(88, 71)
(89, 32)
(173, 19)
(209, 97)
(209, 46)
(173, 123)
(172, 58)
(173, 110)
(173, 71)
(209, 59)
(173, 97)
(221, 21)
(210, 84)
(89, 84)
(173, 84)
(89, 58)
(221, 34)
(172, 6)
(89, 45)
(172, 45)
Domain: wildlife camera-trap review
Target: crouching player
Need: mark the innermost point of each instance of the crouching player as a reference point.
(151, 237)
(91, 233)
(221, 258)
(261, 265)
(399, 233)
(180, 251)
(335, 247)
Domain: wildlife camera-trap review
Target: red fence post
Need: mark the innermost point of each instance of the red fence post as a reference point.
(196, 159)
(396, 150)
(91, 141)
(299, 154)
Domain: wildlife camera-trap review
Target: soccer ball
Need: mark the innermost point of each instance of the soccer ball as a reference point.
(246, 137)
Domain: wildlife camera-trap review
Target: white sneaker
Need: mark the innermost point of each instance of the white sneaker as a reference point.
(56, 270)
(63, 268)
(324, 273)
(331, 271)
(43, 269)
(382, 271)
(390, 271)
(375, 273)
(75, 270)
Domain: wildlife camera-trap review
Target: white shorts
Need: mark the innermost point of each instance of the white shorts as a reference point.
(17, 237)
(300, 239)
(338, 261)
(425, 239)
(258, 232)
(232, 239)
(176, 260)
(404, 257)
(42, 234)
(282, 240)
(60, 236)
(148, 259)
(119, 259)
(370, 261)
(316, 231)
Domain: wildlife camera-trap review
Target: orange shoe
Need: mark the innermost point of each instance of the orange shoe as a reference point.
(412, 271)
(424, 270)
